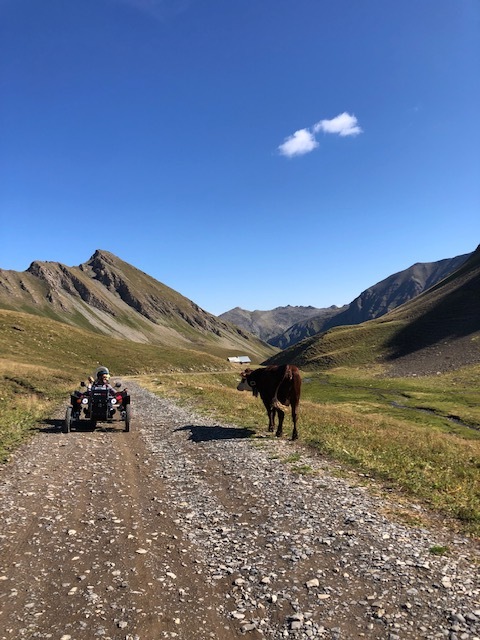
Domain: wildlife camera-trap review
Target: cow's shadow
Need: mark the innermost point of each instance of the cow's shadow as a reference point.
(202, 433)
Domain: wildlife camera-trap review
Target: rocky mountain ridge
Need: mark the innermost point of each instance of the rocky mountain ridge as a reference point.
(109, 296)
(437, 331)
(372, 303)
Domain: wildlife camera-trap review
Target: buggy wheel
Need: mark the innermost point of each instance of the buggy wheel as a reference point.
(67, 423)
(127, 417)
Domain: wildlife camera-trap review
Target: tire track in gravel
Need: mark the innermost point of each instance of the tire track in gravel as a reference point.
(186, 529)
(86, 553)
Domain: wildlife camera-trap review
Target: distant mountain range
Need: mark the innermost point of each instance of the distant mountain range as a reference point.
(285, 326)
(271, 325)
(108, 296)
(436, 331)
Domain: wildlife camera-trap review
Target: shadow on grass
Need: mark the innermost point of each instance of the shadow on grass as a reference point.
(202, 433)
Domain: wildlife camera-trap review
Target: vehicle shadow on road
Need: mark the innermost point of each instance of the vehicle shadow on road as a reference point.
(49, 426)
(202, 433)
(55, 426)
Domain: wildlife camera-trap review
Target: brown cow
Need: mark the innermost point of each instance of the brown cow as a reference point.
(277, 385)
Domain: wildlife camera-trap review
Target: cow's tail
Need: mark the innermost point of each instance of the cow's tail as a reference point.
(287, 375)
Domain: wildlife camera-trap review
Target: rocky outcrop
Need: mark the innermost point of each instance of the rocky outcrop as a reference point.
(61, 282)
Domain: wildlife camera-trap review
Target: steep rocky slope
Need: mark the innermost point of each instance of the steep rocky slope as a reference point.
(439, 330)
(395, 290)
(109, 296)
(282, 329)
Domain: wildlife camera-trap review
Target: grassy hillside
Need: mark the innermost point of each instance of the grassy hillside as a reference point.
(39, 341)
(352, 345)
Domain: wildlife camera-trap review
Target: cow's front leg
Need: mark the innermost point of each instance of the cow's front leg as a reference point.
(281, 416)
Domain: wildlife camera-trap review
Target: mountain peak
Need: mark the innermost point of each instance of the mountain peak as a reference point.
(103, 256)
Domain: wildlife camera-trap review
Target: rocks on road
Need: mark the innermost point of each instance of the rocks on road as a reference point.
(184, 529)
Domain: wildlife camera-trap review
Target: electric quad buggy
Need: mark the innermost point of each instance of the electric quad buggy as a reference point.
(98, 403)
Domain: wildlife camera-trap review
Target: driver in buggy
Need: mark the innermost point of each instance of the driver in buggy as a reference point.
(102, 377)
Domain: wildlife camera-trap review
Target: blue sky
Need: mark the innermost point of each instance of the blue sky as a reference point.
(251, 153)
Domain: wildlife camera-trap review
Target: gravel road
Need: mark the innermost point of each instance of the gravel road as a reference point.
(187, 529)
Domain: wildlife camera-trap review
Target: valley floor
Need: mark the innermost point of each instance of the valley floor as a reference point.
(187, 529)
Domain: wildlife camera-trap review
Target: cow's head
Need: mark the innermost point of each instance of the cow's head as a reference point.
(246, 383)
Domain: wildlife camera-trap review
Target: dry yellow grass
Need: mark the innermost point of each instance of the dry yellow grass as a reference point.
(28, 393)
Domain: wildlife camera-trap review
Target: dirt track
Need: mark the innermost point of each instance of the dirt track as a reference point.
(187, 529)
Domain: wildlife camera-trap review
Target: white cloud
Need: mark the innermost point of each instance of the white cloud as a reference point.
(344, 124)
(302, 141)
